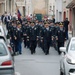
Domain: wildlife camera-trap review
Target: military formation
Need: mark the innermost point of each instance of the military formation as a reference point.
(34, 33)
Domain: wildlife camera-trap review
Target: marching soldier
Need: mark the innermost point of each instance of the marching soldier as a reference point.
(9, 30)
(61, 37)
(13, 38)
(46, 38)
(53, 32)
(37, 30)
(28, 35)
(41, 36)
(33, 37)
(25, 34)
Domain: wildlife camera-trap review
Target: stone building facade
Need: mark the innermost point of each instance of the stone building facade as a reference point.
(51, 9)
(26, 7)
(39, 7)
(71, 6)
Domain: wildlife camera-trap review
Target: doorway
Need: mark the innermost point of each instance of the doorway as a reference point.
(23, 10)
(64, 16)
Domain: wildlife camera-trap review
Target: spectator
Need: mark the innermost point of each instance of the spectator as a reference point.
(66, 23)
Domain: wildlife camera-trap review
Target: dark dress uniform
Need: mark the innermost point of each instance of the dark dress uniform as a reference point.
(13, 40)
(10, 27)
(37, 26)
(28, 36)
(53, 33)
(47, 40)
(41, 37)
(25, 35)
(33, 37)
(61, 38)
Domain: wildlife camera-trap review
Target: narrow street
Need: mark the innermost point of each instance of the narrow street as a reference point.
(38, 63)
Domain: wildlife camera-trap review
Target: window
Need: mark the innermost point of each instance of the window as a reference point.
(72, 47)
(67, 46)
(50, 7)
(3, 51)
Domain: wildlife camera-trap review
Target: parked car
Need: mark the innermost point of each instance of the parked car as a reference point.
(3, 33)
(72, 74)
(67, 61)
(6, 60)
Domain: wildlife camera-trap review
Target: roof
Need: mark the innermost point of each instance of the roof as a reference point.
(71, 4)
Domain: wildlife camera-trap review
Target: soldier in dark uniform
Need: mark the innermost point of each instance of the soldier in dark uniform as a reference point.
(37, 30)
(41, 38)
(25, 34)
(9, 29)
(46, 38)
(61, 37)
(41, 35)
(28, 34)
(53, 32)
(55, 38)
(19, 36)
(33, 37)
(13, 37)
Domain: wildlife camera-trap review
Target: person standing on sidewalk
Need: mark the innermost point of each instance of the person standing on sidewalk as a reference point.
(66, 23)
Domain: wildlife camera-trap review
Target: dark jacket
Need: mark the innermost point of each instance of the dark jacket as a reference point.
(61, 35)
(46, 35)
(66, 23)
(33, 34)
(19, 35)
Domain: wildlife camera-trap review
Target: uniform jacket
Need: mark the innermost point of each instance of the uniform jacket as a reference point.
(33, 33)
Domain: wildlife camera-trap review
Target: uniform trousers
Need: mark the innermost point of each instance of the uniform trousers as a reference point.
(60, 44)
(33, 46)
(46, 46)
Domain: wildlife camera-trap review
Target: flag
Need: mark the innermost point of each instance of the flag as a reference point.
(18, 12)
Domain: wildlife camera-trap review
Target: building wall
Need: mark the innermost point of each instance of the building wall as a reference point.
(71, 8)
(2, 6)
(51, 8)
(29, 9)
(39, 6)
(65, 10)
(31, 6)
(58, 10)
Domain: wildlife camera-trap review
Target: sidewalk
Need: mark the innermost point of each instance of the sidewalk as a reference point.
(70, 34)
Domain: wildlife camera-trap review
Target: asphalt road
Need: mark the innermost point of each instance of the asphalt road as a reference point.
(38, 63)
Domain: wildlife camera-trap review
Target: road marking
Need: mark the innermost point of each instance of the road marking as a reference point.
(17, 73)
